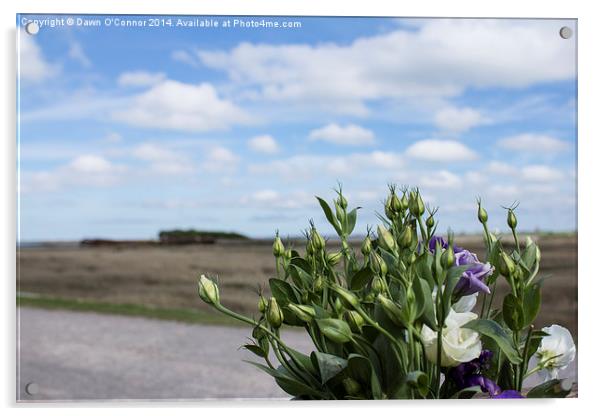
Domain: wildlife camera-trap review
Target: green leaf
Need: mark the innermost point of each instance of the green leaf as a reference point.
(532, 302)
(300, 276)
(336, 330)
(428, 316)
(493, 330)
(360, 368)
(255, 349)
(289, 383)
(351, 220)
(361, 278)
(329, 215)
(328, 365)
(283, 292)
(419, 381)
(301, 263)
(451, 280)
(513, 312)
(529, 256)
(549, 389)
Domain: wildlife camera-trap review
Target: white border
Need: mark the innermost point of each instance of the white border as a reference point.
(589, 28)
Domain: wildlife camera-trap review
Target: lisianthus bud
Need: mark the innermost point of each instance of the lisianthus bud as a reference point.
(303, 312)
(395, 203)
(338, 306)
(342, 201)
(208, 290)
(405, 239)
(340, 213)
(318, 284)
(506, 264)
(430, 222)
(347, 298)
(352, 387)
(482, 214)
(334, 258)
(512, 221)
(262, 304)
(335, 330)
(366, 246)
(378, 285)
(385, 239)
(416, 204)
(317, 241)
(377, 264)
(355, 321)
(404, 202)
(278, 247)
(288, 254)
(389, 212)
(274, 315)
(391, 309)
(448, 258)
(309, 248)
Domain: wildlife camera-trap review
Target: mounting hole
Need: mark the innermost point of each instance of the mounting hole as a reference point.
(566, 32)
(32, 28)
(32, 388)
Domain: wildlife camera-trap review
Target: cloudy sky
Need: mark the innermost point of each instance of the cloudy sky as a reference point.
(126, 131)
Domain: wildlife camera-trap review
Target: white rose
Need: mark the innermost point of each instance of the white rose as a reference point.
(555, 352)
(459, 344)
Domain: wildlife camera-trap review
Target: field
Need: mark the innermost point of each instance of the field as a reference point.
(160, 281)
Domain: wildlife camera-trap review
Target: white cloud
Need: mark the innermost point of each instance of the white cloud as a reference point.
(178, 106)
(438, 58)
(440, 179)
(537, 143)
(501, 168)
(33, 66)
(264, 144)
(113, 137)
(140, 79)
(90, 164)
(440, 151)
(541, 173)
(162, 160)
(185, 57)
(458, 120)
(76, 52)
(272, 199)
(351, 135)
(220, 159)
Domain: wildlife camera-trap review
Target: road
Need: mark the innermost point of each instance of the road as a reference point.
(87, 356)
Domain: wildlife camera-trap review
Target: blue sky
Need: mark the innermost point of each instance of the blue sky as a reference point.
(125, 131)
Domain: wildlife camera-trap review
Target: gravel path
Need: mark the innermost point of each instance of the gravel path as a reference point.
(87, 356)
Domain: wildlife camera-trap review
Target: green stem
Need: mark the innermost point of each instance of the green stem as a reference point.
(523, 365)
(491, 299)
(440, 323)
(516, 241)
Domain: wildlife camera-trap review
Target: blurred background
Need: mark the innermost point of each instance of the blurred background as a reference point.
(153, 149)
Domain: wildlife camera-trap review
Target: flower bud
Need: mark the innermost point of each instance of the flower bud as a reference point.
(274, 315)
(512, 221)
(416, 204)
(317, 241)
(355, 321)
(430, 222)
(386, 240)
(395, 204)
(378, 285)
(288, 254)
(334, 258)
(405, 239)
(507, 266)
(369, 297)
(278, 247)
(318, 284)
(482, 214)
(342, 201)
(336, 330)
(309, 248)
(352, 387)
(340, 213)
(208, 290)
(448, 258)
(338, 306)
(389, 208)
(303, 312)
(404, 202)
(377, 264)
(348, 299)
(262, 304)
(366, 246)
(391, 309)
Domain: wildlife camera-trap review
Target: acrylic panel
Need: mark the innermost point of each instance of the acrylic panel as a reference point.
(279, 207)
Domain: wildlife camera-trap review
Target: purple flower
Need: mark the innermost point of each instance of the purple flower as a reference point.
(470, 374)
(473, 279)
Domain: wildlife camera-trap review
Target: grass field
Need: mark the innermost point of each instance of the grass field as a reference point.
(160, 281)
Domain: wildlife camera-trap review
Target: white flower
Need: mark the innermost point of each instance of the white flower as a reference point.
(555, 352)
(460, 345)
(466, 303)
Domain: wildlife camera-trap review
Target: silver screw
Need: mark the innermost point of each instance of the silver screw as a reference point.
(32, 28)
(566, 32)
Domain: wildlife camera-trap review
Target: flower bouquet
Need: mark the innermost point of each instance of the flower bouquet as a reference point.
(393, 319)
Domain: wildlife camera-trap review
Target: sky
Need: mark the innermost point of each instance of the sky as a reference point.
(127, 130)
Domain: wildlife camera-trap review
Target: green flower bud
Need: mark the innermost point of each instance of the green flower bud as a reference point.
(378, 285)
(369, 297)
(340, 213)
(411, 259)
(334, 258)
(393, 311)
(395, 204)
(309, 248)
(448, 258)
(347, 298)
(416, 204)
(317, 241)
(405, 239)
(352, 387)
(303, 312)
(512, 221)
(278, 248)
(404, 202)
(342, 201)
(430, 222)
(336, 330)
(262, 304)
(274, 315)
(482, 214)
(208, 290)
(318, 284)
(377, 264)
(288, 254)
(386, 240)
(338, 306)
(366, 246)
(355, 321)
(506, 265)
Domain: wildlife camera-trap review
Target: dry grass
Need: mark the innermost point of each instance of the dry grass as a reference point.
(165, 277)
